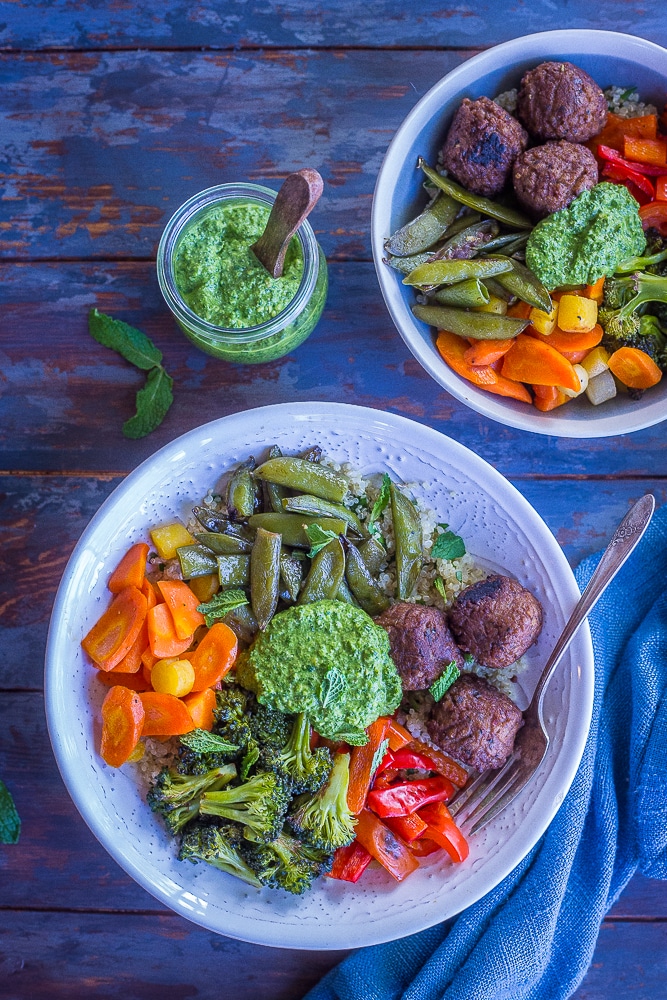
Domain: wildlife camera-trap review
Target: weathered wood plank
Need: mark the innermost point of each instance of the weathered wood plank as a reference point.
(64, 397)
(376, 23)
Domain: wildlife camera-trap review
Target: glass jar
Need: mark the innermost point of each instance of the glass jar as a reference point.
(254, 344)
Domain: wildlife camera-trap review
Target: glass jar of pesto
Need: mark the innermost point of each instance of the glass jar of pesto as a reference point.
(220, 295)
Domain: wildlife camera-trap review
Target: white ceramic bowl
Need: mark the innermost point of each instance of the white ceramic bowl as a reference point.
(610, 58)
(502, 531)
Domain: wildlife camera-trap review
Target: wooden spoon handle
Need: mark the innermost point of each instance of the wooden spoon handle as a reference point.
(298, 195)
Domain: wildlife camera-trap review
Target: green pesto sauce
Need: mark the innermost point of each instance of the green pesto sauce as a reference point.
(220, 278)
(289, 667)
(588, 239)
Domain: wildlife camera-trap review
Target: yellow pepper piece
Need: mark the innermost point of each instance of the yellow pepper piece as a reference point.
(596, 361)
(494, 305)
(169, 537)
(544, 322)
(577, 314)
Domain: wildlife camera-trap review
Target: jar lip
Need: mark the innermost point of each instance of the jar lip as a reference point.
(198, 204)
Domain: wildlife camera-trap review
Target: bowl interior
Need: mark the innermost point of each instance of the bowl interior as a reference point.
(611, 59)
(502, 531)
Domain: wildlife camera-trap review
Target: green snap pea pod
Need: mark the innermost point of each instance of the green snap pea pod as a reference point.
(468, 241)
(213, 520)
(290, 526)
(291, 573)
(313, 505)
(241, 491)
(344, 593)
(464, 293)
(326, 572)
(466, 219)
(274, 494)
(196, 560)
(408, 539)
(308, 477)
(243, 623)
(373, 555)
(233, 571)
(223, 544)
(313, 454)
(265, 576)
(450, 272)
(500, 242)
(421, 233)
(362, 584)
(407, 264)
(481, 326)
(484, 205)
(521, 281)
(495, 288)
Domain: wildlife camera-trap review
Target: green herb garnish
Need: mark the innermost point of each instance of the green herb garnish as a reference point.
(448, 545)
(439, 585)
(333, 685)
(379, 756)
(155, 398)
(450, 674)
(10, 824)
(380, 505)
(355, 737)
(221, 604)
(318, 538)
(201, 741)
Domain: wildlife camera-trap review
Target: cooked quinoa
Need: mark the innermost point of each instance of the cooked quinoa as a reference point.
(624, 102)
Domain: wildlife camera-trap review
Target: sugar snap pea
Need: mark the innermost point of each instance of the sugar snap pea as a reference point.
(521, 281)
(481, 326)
(408, 538)
(464, 293)
(298, 474)
(242, 621)
(274, 493)
(501, 242)
(468, 241)
(242, 492)
(223, 544)
(305, 504)
(196, 560)
(484, 205)
(265, 576)
(233, 571)
(214, 520)
(373, 554)
(326, 572)
(290, 526)
(495, 288)
(449, 272)
(291, 573)
(421, 233)
(373, 600)
(344, 593)
(407, 264)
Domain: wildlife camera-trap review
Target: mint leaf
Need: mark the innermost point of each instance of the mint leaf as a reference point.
(378, 757)
(10, 824)
(448, 545)
(382, 500)
(333, 685)
(201, 741)
(318, 538)
(152, 402)
(221, 604)
(355, 737)
(131, 343)
(445, 680)
(439, 585)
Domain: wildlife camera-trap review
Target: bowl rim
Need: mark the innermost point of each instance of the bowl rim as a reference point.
(541, 45)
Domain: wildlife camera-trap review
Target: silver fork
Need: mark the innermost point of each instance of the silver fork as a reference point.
(492, 791)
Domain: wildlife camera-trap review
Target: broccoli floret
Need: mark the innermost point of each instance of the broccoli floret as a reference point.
(217, 846)
(258, 804)
(623, 316)
(287, 863)
(201, 751)
(324, 818)
(306, 769)
(269, 727)
(176, 796)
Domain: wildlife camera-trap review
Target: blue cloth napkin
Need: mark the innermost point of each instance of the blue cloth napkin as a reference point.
(533, 936)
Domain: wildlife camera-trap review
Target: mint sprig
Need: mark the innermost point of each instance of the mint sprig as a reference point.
(155, 398)
(447, 545)
(333, 685)
(318, 538)
(450, 674)
(221, 604)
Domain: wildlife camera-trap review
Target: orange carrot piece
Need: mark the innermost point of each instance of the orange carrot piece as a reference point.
(563, 341)
(486, 352)
(443, 764)
(519, 310)
(148, 590)
(361, 765)
(397, 735)
(149, 659)
(122, 722)
(616, 129)
(574, 357)
(135, 682)
(112, 637)
(200, 705)
(214, 656)
(532, 360)
(183, 606)
(634, 368)
(131, 662)
(165, 715)
(131, 570)
(452, 349)
(548, 397)
(595, 291)
(653, 151)
(162, 637)
(146, 671)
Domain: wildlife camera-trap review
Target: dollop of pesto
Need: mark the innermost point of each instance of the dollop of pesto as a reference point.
(328, 659)
(588, 239)
(220, 278)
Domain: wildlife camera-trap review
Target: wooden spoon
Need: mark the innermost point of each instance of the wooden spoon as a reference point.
(297, 197)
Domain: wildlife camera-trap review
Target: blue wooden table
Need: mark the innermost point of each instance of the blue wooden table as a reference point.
(111, 115)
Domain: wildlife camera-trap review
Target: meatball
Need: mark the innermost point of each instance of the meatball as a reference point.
(557, 100)
(496, 620)
(547, 178)
(421, 643)
(475, 723)
(482, 143)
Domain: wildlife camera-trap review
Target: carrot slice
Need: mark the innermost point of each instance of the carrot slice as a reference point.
(520, 310)
(397, 735)
(183, 606)
(148, 590)
(361, 765)
(548, 397)
(122, 722)
(385, 846)
(214, 656)
(165, 715)
(574, 357)
(595, 291)
(485, 352)
(131, 570)
(135, 682)
(200, 705)
(112, 637)
(532, 360)
(652, 151)
(162, 637)
(443, 764)
(452, 350)
(563, 341)
(634, 368)
(131, 662)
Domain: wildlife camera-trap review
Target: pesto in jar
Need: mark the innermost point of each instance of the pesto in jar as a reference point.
(219, 277)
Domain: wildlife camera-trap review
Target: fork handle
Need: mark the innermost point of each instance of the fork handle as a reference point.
(623, 541)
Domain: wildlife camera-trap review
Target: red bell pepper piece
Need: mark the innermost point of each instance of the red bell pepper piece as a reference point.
(654, 216)
(444, 831)
(622, 174)
(383, 844)
(661, 188)
(408, 827)
(385, 779)
(407, 759)
(361, 765)
(350, 862)
(408, 796)
(613, 156)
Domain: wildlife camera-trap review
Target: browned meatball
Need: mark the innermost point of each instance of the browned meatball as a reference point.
(547, 178)
(496, 620)
(482, 143)
(421, 643)
(557, 100)
(475, 723)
